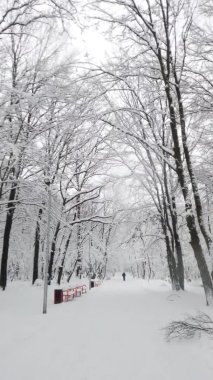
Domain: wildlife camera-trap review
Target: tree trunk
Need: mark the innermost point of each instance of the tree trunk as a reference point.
(60, 270)
(178, 248)
(36, 249)
(6, 237)
(198, 204)
(173, 214)
(79, 242)
(190, 218)
(72, 271)
(106, 251)
(200, 258)
(52, 252)
(171, 264)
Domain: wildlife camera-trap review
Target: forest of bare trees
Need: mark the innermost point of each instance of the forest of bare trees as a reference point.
(113, 157)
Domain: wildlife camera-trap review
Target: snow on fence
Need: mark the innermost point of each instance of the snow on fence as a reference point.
(65, 295)
(95, 283)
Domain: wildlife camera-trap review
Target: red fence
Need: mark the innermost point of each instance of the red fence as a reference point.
(65, 295)
(95, 283)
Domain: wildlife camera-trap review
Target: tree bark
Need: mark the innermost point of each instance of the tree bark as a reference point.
(60, 270)
(52, 252)
(190, 218)
(202, 265)
(172, 266)
(36, 247)
(6, 237)
(79, 247)
(198, 204)
(178, 248)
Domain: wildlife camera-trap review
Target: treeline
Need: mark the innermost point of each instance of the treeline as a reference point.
(159, 104)
(51, 146)
(67, 127)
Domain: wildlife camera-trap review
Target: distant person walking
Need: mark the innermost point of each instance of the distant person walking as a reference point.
(124, 276)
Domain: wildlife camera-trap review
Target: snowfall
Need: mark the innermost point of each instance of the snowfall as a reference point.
(113, 332)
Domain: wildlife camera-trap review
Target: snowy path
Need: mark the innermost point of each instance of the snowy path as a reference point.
(111, 333)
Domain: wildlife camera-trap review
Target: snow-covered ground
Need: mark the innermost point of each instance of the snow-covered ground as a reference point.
(113, 332)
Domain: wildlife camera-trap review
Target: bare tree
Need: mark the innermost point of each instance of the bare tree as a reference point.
(153, 42)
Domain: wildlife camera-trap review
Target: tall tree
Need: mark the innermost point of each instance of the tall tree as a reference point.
(161, 51)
